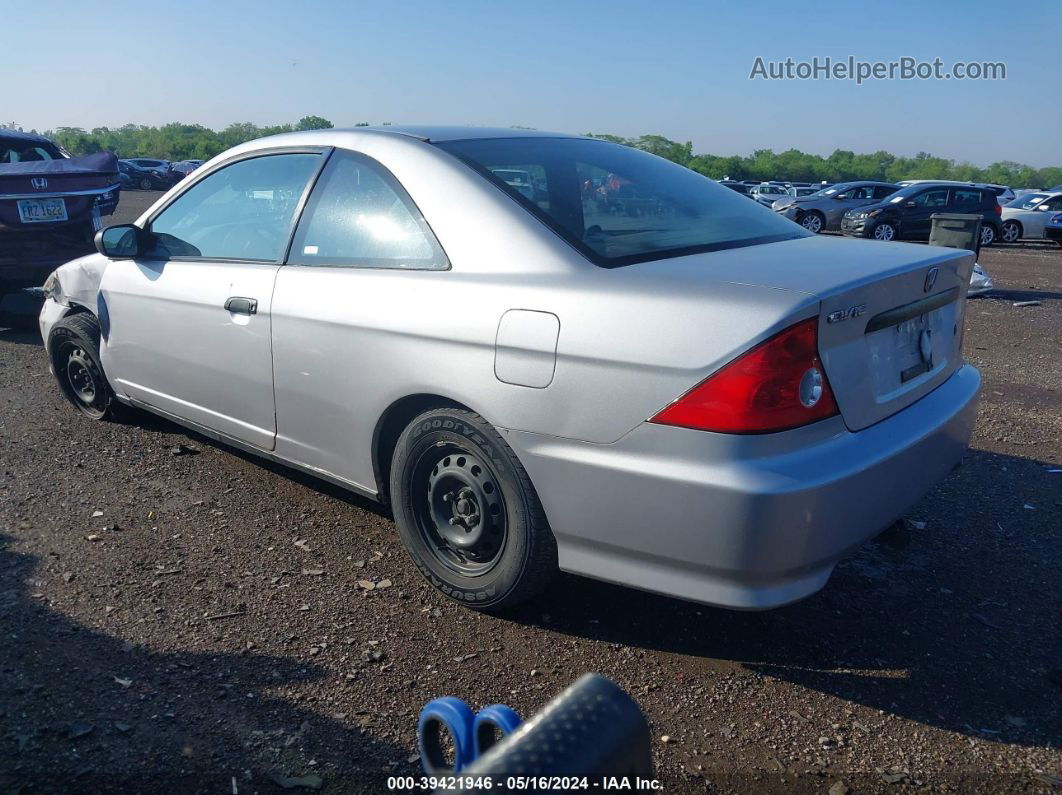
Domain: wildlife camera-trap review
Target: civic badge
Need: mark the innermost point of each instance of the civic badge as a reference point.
(39, 183)
(931, 279)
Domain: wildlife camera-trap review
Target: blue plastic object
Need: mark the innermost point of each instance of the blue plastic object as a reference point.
(472, 734)
(491, 725)
(456, 717)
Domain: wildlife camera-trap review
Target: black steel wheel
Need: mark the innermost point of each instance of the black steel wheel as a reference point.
(463, 518)
(73, 346)
(467, 513)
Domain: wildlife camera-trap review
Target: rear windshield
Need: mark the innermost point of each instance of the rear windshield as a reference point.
(618, 205)
(16, 150)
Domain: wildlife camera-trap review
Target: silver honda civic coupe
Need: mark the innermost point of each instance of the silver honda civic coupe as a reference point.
(616, 367)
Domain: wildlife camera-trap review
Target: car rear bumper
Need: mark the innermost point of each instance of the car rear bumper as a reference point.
(28, 256)
(747, 522)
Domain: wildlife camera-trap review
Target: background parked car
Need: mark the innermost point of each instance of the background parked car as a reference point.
(183, 168)
(50, 206)
(907, 213)
(1053, 230)
(161, 166)
(766, 193)
(739, 187)
(1028, 216)
(134, 177)
(1003, 193)
(823, 209)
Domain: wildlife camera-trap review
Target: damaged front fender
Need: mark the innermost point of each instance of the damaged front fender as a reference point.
(78, 282)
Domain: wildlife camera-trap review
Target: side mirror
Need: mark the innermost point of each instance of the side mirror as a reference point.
(911, 204)
(125, 241)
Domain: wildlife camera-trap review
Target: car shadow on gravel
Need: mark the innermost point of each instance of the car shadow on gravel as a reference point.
(86, 711)
(955, 627)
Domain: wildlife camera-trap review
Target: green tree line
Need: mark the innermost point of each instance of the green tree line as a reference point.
(841, 166)
(176, 141)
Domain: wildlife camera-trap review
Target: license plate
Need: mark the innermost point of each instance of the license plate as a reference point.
(38, 211)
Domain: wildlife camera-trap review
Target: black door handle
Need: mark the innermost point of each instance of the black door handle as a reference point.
(242, 306)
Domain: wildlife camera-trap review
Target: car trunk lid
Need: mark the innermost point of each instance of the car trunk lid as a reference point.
(46, 193)
(890, 318)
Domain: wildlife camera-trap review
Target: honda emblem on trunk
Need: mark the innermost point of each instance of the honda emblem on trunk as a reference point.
(39, 183)
(931, 279)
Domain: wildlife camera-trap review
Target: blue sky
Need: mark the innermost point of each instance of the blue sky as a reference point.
(677, 69)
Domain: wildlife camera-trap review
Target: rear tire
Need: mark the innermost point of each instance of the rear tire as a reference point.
(74, 348)
(145, 183)
(989, 236)
(467, 513)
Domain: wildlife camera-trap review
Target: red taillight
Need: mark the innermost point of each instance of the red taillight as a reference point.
(779, 384)
(999, 209)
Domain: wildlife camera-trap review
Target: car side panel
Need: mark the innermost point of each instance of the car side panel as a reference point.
(168, 341)
(349, 342)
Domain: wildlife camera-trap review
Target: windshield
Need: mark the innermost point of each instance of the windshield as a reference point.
(832, 189)
(618, 205)
(1028, 201)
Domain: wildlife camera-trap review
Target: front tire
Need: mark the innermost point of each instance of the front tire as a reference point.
(74, 348)
(467, 513)
(813, 221)
(884, 231)
(1011, 232)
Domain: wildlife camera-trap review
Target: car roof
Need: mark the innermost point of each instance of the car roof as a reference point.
(24, 136)
(438, 133)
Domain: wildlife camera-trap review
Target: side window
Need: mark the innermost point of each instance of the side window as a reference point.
(1053, 205)
(359, 216)
(243, 211)
(967, 198)
(932, 198)
(882, 191)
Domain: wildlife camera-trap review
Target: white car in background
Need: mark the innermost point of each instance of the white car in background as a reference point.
(1026, 217)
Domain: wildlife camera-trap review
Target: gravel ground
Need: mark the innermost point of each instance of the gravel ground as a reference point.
(190, 619)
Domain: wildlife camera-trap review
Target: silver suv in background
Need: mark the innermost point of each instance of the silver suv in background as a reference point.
(823, 210)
